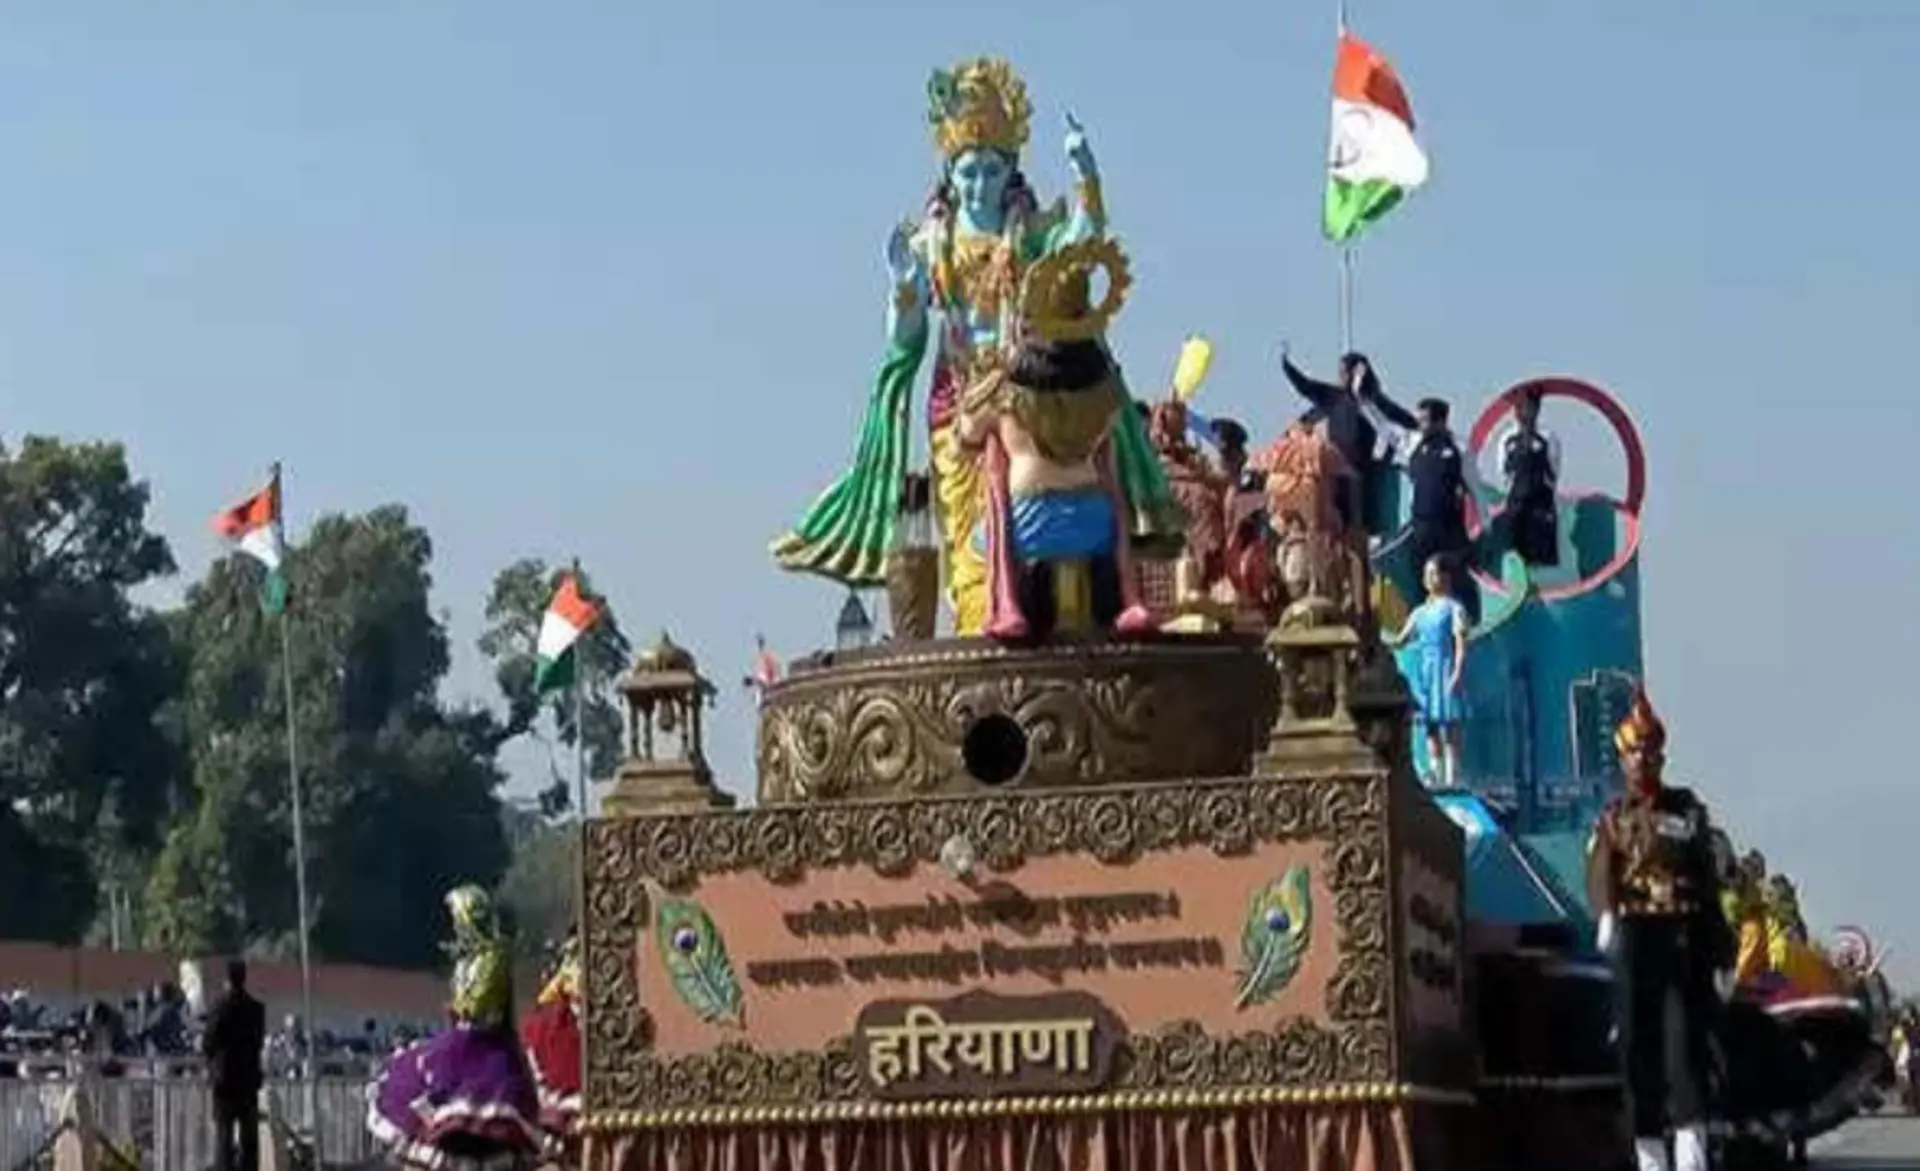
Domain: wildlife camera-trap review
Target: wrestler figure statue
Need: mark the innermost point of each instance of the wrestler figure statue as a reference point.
(1310, 490)
(1651, 879)
(1056, 527)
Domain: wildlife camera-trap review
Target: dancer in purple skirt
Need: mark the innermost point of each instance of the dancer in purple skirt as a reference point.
(465, 1099)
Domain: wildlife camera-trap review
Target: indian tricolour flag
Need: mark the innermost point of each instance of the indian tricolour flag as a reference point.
(568, 616)
(254, 527)
(1373, 161)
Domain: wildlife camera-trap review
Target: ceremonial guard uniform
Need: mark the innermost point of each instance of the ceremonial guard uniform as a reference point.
(1651, 878)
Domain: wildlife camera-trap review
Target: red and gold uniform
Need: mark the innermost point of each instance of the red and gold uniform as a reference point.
(1652, 880)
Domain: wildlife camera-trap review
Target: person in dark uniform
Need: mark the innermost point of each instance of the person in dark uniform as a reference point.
(1438, 524)
(1530, 460)
(1345, 409)
(236, 1032)
(1652, 881)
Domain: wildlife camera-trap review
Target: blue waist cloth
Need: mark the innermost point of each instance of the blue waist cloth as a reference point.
(1057, 526)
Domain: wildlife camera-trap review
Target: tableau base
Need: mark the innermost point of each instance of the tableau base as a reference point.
(969, 715)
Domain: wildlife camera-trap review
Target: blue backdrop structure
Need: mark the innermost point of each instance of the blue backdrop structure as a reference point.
(1555, 659)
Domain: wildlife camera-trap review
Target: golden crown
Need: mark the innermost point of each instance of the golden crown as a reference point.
(978, 103)
(1056, 298)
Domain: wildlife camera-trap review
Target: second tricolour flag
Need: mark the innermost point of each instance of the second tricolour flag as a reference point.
(1373, 162)
(568, 616)
(254, 527)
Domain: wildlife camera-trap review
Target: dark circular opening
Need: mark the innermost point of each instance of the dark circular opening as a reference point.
(994, 750)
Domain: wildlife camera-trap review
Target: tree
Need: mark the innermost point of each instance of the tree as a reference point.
(539, 887)
(398, 791)
(514, 610)
(89, 762)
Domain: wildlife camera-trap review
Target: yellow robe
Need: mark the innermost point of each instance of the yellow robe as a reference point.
(1805, 970)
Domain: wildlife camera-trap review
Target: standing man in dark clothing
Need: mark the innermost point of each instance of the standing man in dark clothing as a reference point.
(1352, 433)
(1530, 460)
(1438, 527)
(236, 1032)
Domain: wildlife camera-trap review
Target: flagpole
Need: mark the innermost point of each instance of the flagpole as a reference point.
(580, 845)
(1346, 250)
(580, 716)
(1346, 298)
(310, 1066)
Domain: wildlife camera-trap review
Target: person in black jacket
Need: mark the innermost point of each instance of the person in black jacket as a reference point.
(1436, 467)
(1344, 408)
(236, 1033)
(1530, 459)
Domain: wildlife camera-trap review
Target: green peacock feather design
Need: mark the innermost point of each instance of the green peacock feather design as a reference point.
(942, 95)
(696, 959)
(1278, 928)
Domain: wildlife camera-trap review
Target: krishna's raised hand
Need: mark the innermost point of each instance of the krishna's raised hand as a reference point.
(1079, 153)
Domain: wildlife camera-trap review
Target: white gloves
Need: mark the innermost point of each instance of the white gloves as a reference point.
(1603, 935)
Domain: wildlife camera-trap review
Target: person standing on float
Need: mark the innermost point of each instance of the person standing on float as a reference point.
(1651, 880)
(1530, 463)
(1345, 408)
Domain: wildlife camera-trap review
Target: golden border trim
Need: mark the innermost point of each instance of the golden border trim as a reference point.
(1351, 1094)
(1347, 815)
(946, 653)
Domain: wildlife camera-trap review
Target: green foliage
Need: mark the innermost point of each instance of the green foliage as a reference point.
(514, 609)
(398, 792)
(146, 752)
(539, 889)
(87, 765)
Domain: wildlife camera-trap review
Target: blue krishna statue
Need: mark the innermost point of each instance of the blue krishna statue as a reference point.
(962, 267)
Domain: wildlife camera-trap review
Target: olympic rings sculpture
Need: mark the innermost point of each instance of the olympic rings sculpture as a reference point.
(1629, 509)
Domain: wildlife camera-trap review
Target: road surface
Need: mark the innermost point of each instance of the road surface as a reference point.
(1885, 1142)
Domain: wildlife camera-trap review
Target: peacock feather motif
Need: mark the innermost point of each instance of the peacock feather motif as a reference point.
(696, 960)
(1274, 939)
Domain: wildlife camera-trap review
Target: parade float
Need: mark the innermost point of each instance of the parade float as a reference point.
(1130, 866)
(1061, 889)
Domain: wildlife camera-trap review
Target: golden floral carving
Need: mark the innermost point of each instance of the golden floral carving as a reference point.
(888, 723)
(1352, 1047)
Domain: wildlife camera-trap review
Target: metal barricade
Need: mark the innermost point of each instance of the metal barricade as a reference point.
(166, 1122)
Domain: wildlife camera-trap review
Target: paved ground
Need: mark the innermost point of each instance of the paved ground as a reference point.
(1887, 1142)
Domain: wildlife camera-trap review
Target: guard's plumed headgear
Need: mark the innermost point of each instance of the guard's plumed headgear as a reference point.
(1641, 729)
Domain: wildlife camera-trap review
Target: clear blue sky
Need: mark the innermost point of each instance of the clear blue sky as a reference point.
(603, 278)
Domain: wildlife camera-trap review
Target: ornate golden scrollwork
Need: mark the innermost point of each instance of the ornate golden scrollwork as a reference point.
(893, 724)
(1056, 302)
(1350, 1052)
(890, 725)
